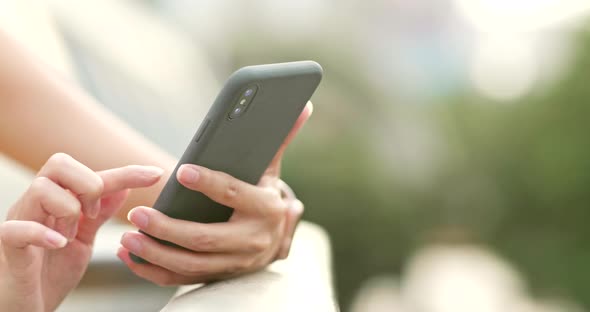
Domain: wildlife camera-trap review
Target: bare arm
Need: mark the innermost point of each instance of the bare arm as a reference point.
(41, 114)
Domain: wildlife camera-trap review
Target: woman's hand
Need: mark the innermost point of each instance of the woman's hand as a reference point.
(46, 243)
(259, 231)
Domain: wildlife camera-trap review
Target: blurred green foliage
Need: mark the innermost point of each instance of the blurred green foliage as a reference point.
(518, 174)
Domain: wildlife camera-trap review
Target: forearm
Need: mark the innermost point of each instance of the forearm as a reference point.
(40, 114)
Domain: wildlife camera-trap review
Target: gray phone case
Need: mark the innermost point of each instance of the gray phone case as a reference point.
(243, 146)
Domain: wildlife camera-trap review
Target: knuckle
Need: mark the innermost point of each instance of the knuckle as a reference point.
(192, 268)
(278, 209)
(96, 186)
(301, 209)
(202, 241)
(38, 188)
(260, 244)
(231, 191)
(271, 193)
(59, 159)
(72, 207)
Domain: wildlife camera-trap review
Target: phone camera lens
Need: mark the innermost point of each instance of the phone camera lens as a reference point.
(236, 112)
(243, 102)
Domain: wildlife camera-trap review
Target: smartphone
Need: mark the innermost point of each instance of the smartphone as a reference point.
(242, 132)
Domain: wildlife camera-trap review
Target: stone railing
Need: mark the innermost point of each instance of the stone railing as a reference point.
(303, 282)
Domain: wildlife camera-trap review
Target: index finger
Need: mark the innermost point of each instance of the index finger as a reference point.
(75, 177)
(225, 189)
(133, 176)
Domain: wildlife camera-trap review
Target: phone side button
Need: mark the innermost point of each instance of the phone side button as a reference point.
(202, 129)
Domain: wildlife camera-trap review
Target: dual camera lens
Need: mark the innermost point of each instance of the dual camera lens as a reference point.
(243, 102)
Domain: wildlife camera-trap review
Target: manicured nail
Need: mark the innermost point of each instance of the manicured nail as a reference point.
(55, 239)
(153, 171)
(131, 243)
(188, 174)
(138, 217)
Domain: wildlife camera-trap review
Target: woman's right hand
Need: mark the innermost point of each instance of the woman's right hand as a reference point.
(46, 242)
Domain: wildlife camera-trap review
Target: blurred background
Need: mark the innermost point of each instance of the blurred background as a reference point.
(448, 154)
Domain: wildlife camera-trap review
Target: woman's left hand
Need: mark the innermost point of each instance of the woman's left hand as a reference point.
(260, 230)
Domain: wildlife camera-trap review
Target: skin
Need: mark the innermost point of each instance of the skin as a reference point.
(246, 243)
(41, 114)
(46, 242)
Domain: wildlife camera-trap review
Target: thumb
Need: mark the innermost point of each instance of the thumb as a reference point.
(15, 238)
(110, 204)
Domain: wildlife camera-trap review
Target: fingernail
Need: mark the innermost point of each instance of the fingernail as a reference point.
(131, 243)
(55, 239)
(188, 174)
(138, 217)
(153, 171)
(94, 210)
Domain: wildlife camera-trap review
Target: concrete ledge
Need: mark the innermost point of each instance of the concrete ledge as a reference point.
(303, 282)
